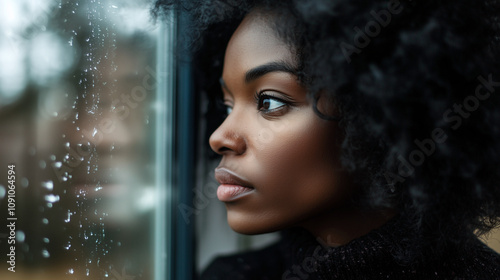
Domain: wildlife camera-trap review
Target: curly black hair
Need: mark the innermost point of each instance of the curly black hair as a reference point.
(416, 84)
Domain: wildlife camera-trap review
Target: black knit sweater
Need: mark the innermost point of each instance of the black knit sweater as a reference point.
(298, 255)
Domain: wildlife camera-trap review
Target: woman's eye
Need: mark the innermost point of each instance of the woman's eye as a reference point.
(268, 103)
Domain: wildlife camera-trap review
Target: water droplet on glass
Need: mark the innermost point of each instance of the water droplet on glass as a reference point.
(88, 272)
(71, 271)
(51, 198)
(20, 236)
(45, 253)
(25, 182)
(2, 192)
(53, 157)
(45, 221)
(49, 185)
(68, 219)
(46, 240)
(58, 164)
(42, 164)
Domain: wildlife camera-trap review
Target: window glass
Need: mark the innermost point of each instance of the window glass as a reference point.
(79, 119)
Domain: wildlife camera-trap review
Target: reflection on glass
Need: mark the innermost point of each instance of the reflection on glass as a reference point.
(77, 86)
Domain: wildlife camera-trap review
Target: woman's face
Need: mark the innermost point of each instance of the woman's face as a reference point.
(280, 161)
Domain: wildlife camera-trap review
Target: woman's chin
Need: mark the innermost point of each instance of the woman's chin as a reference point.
(250, 225)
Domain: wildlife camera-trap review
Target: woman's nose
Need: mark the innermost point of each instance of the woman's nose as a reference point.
(229, 137)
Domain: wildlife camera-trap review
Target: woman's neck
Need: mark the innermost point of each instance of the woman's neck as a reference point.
(340, 226)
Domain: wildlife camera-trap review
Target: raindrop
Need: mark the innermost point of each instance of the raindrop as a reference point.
(2, 191)
(45, 221)
(58, 164)
(71, 271)
(46, 240)
(114, 6)
(45, 253)
(24, 182)
(42, 164)
(68, 219)
(67, 144)
(53, 157)
(49, 185)
(88, 271)
(51, 198)
(20, 236)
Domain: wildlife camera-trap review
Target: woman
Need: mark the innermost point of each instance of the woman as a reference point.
(366, 132)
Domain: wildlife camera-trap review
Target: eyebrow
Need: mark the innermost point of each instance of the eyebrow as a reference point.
(275, 66)
(261, 70)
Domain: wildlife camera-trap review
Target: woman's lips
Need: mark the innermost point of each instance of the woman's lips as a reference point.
(232, 186)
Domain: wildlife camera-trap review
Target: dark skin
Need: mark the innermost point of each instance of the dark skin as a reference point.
(280, 162)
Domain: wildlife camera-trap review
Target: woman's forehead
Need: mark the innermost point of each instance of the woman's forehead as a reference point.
(255, 43)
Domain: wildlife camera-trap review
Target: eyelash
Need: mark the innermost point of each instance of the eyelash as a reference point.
(260, 96)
